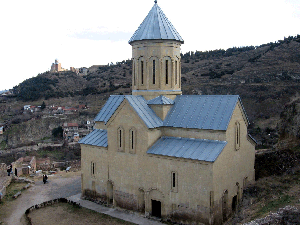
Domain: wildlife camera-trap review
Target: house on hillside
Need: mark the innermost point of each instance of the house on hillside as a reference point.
(181, 157)
(27, 107)
(70, 131)
(24, 165)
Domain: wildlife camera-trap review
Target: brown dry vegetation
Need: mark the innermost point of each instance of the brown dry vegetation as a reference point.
(277, 185)
(65, 214)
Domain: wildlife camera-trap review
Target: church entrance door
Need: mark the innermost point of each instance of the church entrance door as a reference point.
(156, 208)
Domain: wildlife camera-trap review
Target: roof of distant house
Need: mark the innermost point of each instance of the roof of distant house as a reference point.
(71, 125)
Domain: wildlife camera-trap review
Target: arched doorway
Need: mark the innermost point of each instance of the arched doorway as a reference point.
(156, 208)
(234, 203)
(156, 203)
(110, 192)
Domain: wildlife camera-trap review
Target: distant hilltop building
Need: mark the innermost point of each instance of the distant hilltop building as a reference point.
(56, 67)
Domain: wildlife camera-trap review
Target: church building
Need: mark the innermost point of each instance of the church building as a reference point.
(186, 158)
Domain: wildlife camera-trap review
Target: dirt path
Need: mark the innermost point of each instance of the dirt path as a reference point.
(58, 186)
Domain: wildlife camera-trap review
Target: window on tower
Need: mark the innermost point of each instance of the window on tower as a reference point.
(176, 78)
(133, 72)
(153, 71)
(142, 72)
(167, 71)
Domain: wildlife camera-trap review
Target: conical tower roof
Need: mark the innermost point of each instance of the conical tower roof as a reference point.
(156, 26)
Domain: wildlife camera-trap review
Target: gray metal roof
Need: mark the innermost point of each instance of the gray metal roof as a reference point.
(97, 137)
(161, 100)
(188, 148)
(211, 112)
(109, 108)
(138, 103)
(156, 26)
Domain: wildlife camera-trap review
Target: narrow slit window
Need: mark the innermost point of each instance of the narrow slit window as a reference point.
(153, 71)
(167, 72)
(176, 73)
(92, 168)
(142, 72)
(120, 138)
(132, 133)
(173, 180)
(133, 72)
(238, 136)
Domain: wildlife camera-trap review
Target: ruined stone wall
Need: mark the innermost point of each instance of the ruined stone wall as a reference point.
(3, 169)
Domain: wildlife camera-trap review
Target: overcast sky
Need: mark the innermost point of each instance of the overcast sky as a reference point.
(95, 32)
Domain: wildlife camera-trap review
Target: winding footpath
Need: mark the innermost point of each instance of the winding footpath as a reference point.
(57, 187)
(65, 186)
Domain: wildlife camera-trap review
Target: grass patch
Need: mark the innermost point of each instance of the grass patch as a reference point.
(271, 193)
(56, 154)
(11, 190)
(3, 144)
(273, 205)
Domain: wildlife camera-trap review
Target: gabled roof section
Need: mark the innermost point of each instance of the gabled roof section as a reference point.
(161, 100)
(188, 148)
(156, 26)
(138, 103)
(97, 137)
(212, 112)
(109, 108)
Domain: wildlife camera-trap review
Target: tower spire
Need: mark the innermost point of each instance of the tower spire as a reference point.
(155, 1)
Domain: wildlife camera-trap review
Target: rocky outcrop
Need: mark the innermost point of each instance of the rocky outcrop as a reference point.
(289, 125)
(286, 215)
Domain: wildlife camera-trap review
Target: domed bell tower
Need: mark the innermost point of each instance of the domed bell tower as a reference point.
(156, 68)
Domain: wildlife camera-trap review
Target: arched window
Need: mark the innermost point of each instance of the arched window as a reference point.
(120, 139)
(132, 140)
(142, 72)
(174, 181)
(237, 136)
(133, 73)
(153, 71)
(93, 168)
(176, 72)
(167, 71)
(179, 73)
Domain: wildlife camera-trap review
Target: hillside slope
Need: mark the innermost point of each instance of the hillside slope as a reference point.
(266, 77)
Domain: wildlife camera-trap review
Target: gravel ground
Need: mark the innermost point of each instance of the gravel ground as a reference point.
(59, 185)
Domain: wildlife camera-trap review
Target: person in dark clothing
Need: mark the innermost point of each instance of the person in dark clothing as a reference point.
(44, 179)
(8, 172)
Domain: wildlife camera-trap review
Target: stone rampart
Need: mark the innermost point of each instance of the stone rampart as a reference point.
(4, 182)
